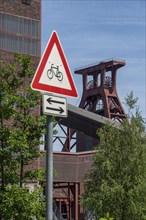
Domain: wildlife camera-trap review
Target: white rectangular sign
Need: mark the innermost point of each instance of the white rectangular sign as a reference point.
(54, 105)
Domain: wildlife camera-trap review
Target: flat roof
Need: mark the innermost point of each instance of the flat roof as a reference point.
(85, 121)
(98, 66)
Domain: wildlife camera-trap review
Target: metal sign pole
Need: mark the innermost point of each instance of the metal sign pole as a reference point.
(49, 168)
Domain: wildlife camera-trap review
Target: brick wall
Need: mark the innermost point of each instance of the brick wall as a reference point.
(70, 167)
(16, 7)
(7, 57)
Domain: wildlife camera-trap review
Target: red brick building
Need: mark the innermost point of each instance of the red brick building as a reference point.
(20, 29)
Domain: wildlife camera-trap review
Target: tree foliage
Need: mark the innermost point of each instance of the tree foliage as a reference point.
(117, 181)
(18, 203)
(21, 128)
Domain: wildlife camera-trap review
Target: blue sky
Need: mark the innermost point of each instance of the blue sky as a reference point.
(91, 31)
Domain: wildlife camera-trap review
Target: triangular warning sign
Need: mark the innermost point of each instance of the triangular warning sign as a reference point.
(53, 74)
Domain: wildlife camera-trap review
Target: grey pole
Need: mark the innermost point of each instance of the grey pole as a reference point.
(49, 168)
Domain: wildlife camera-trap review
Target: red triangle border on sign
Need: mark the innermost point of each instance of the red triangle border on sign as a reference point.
(50, 88)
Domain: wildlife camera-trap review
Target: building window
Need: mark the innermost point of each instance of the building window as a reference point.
(19, 34)
(26, 2)
(19, 25)
(19, 44)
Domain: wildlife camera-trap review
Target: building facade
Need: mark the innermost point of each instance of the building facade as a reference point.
(20, 29)
(20, 33)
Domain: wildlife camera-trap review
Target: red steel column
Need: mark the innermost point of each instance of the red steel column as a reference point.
(69, 200)
(76, 201)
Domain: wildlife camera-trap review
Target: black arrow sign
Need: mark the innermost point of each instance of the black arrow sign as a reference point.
(60, 110)
(50, 101)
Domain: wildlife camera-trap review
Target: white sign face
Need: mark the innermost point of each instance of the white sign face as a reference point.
(54, 72)
(54, 105)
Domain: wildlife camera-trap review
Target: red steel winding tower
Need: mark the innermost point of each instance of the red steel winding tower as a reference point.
(100, 93)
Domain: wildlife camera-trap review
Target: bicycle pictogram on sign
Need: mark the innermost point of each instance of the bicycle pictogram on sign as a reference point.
(54, 71)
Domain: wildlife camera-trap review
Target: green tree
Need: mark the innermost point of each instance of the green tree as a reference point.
(116, 184)
(21, 128)
(18, 203)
